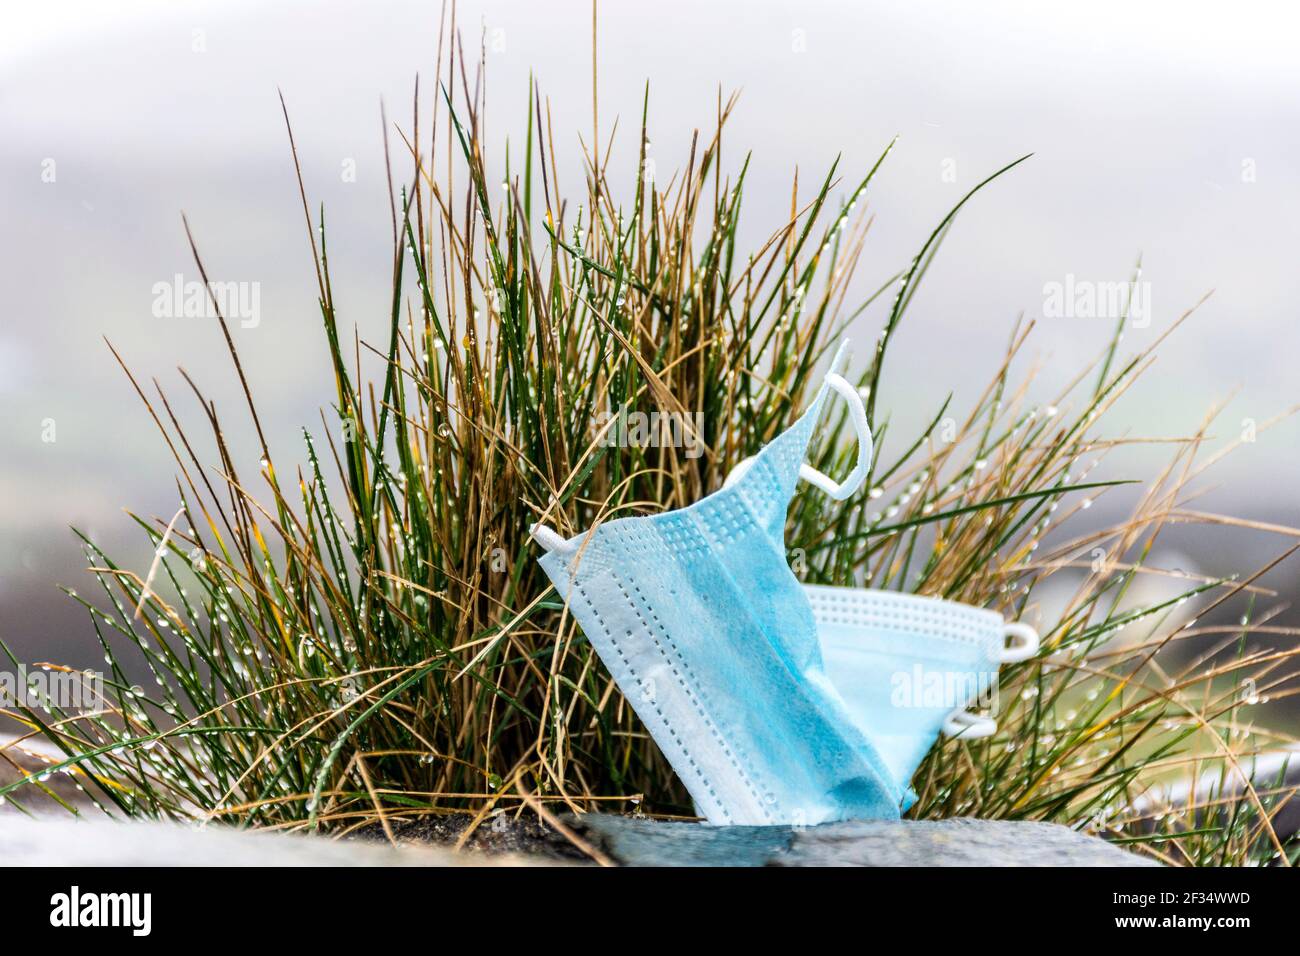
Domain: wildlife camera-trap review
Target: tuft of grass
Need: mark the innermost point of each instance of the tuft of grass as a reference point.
(363, 635)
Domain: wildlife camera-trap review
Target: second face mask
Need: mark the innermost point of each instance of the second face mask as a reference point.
(909, 667)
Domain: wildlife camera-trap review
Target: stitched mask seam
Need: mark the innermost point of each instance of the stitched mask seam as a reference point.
(699, 699)
(699, 774)
(938, 623)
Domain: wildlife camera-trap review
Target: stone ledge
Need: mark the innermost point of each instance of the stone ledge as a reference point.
(631, 841)
(957, 842)
(53, 841)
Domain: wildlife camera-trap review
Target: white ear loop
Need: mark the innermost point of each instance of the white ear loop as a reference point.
(968, 726)
(857, 413)
(1024, 644)
(548, 538)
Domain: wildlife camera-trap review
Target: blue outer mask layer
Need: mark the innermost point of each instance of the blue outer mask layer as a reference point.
(908, 667)
(709, 635)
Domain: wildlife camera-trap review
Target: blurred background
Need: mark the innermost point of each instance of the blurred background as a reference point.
(1165, 131)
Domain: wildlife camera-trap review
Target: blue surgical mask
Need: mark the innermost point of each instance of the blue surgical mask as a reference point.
(910, 667)
(712, 641)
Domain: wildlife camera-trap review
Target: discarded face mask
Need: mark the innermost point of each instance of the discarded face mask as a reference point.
(909, 667)
(712, 640)
(694, 602)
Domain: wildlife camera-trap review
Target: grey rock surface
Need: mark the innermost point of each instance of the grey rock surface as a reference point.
(53, 841)
(959, 842)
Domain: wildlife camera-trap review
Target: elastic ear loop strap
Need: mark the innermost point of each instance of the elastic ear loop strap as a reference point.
(551, 541)
(858, 415)
(548, 538)
(1024, 645)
